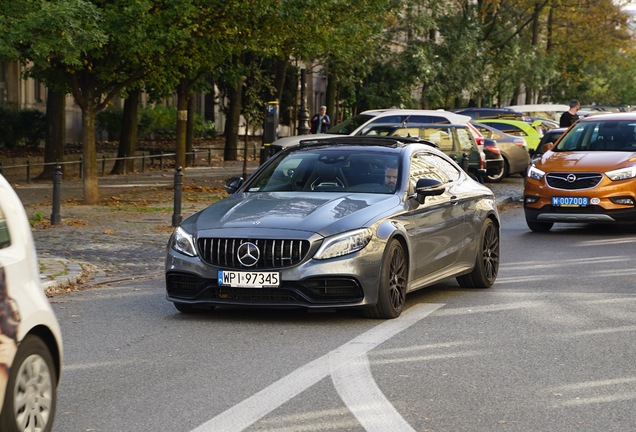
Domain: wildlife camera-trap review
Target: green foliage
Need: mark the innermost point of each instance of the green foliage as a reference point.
(159, 123)
(110, 121)
(21, 127)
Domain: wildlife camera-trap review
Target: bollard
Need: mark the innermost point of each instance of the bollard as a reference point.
(55, 206)
(28, 172)
(103, 165)
(143, 162)
(161, 160)
(81, 167)
(178, 183)
(209, 156)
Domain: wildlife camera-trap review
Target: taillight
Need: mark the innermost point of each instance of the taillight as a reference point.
(520, 142)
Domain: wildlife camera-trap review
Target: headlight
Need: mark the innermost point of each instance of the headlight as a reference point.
(344, 244)
(182, 242)
(535, 173)
(622, 174)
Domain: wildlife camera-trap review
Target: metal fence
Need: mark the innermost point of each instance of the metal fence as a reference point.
(148, 160)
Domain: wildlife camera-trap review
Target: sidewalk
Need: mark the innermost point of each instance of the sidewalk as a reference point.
(126, 234)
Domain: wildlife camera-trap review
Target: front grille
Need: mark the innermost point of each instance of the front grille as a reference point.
(573, 181)
(273, 254)
(314, 291)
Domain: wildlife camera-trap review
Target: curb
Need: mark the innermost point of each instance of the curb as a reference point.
(58, 273)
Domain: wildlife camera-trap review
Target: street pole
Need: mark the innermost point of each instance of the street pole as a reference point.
(303, 113)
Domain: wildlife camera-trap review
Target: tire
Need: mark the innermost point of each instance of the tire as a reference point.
(540, 226)
(31, 396)
(393, 282)
(486, 267)
(496, 178)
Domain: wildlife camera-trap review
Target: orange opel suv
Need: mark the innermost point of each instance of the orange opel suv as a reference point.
(588, 175)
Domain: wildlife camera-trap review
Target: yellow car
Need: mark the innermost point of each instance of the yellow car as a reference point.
(531, 132)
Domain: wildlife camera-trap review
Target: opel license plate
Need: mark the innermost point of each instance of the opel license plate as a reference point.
(248, 279)
(570, 201)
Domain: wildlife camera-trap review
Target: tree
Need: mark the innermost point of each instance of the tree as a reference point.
(82, 45)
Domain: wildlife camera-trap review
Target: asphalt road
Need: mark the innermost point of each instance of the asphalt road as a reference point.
(549, 347)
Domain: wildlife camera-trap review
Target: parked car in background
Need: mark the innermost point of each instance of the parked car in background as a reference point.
(456, 141)
(30, 337)
(346, 222)
(588, 176)
(495, 165)
(491, 113)
(513, 150)
(361, 123)
(521, 129)
(551, 136)
(549, 111)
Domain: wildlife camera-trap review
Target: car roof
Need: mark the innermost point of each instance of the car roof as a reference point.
(611, 117)
(539, 107)
(453, 117)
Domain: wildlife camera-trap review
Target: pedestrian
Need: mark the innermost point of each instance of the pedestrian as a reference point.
(320, 122)
(569, 117)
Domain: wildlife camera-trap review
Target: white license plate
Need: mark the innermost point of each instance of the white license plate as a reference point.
(248, 279)
(570, 201)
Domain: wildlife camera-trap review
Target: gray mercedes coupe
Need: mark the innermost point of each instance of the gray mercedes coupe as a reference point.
(347, 222)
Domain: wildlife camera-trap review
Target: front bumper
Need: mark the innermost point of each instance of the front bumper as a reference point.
(342, 282)
(589, 214)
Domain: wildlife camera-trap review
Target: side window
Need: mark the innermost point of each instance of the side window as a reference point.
(465, 139)
(5, 240)
(428, 119)
(446, 167)
(440, 136)
(424, 165)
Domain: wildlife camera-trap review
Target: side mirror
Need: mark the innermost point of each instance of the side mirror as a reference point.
(547, 147)
(428, 187)
(233, 184)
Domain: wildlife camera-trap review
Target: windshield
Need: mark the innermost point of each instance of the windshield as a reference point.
(600, 136)
(330, 170)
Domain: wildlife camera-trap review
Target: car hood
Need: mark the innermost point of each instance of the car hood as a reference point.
(600, 161)
(323, 213)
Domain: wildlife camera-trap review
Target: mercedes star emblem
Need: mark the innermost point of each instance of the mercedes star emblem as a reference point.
(248, 254)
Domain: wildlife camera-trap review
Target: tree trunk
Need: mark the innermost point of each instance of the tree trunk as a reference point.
(55, 133)
(190, 130)
(182, 122)
(332, 89)
(232, 121)
(210, 101)
(89, 156)
(279, 79)
(128, 139)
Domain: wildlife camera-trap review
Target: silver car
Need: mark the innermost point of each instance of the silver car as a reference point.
(337, 223)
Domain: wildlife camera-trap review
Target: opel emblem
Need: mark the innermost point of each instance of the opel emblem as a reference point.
(571, 178)
(248, 254)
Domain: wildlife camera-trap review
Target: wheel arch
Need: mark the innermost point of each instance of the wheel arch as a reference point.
(45, 334)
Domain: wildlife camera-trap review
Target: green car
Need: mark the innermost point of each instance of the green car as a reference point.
(523, 129)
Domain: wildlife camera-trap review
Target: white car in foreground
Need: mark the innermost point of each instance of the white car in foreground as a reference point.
(30, 337)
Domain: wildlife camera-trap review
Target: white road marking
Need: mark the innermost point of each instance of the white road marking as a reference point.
(257, 406)
(354, 383)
